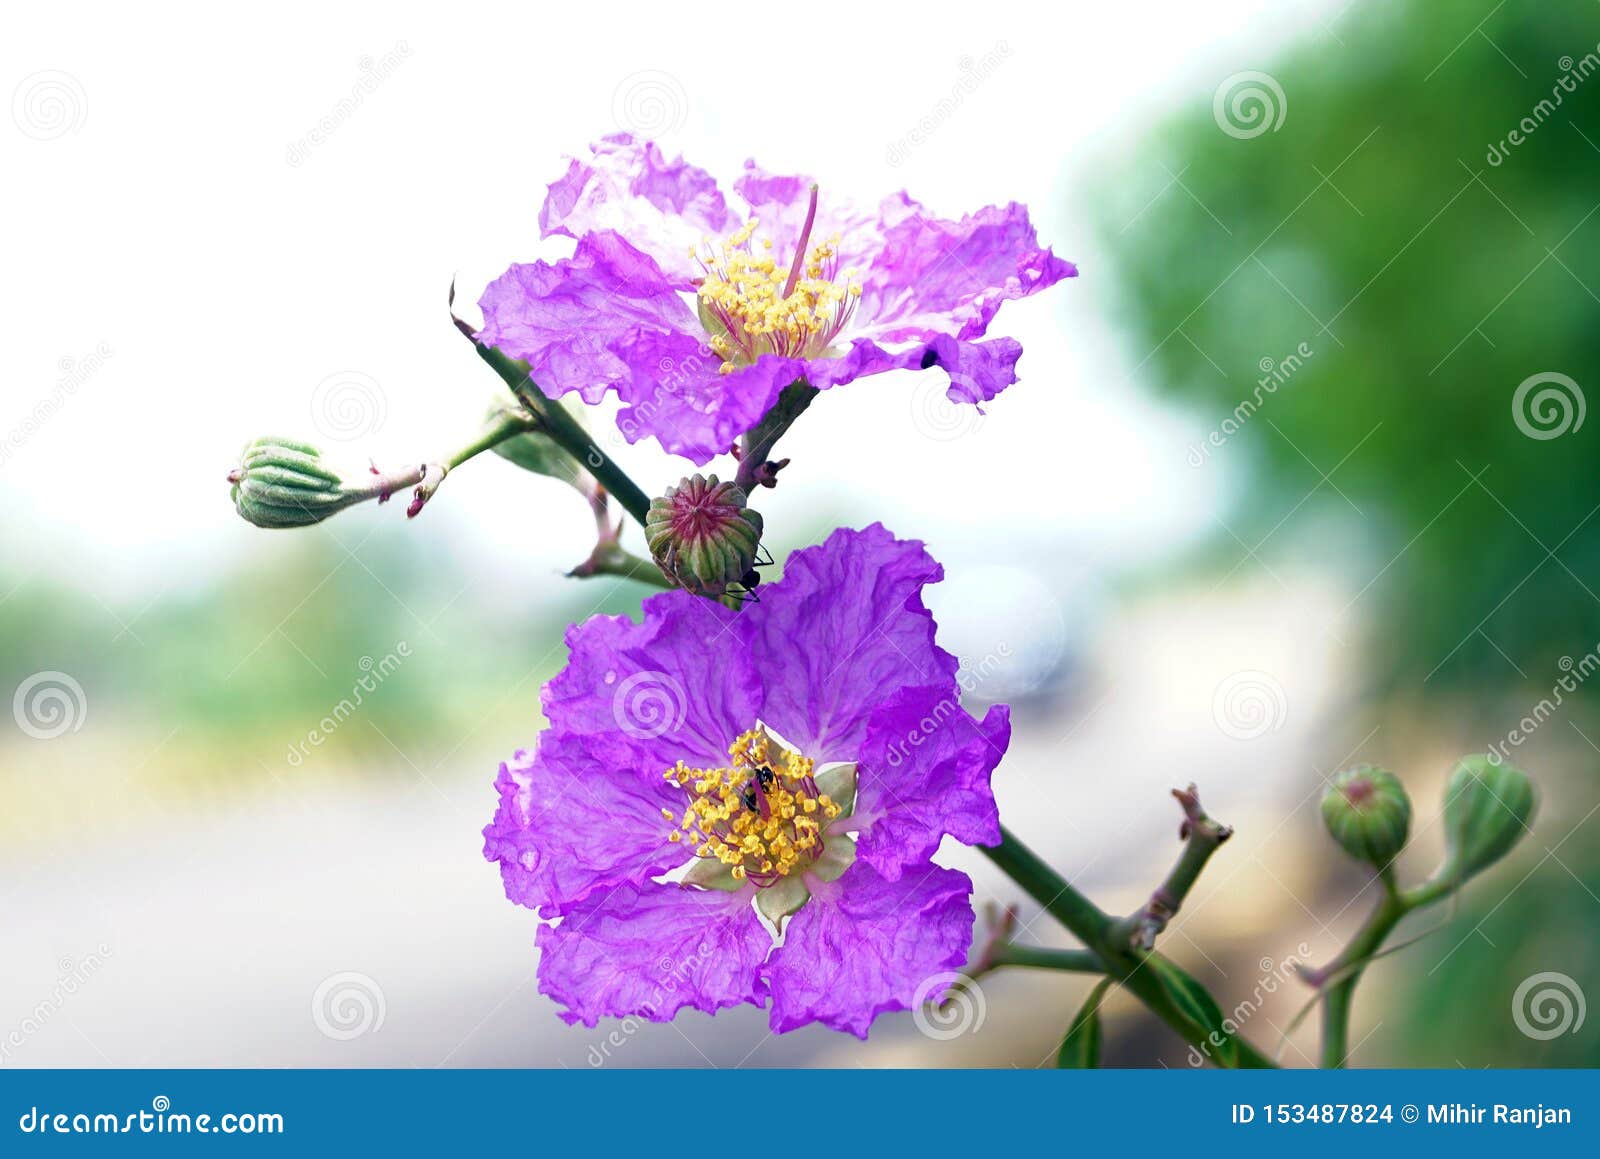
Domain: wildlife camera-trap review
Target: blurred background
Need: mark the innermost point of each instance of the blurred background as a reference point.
(1297, 476)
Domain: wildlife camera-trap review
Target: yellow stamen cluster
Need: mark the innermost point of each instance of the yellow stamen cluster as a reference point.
(765, 308)
(763, 827)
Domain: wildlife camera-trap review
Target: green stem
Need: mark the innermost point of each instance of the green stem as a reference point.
(1094, 928)
(567, 433)
(1201, 838)
(380, 485)
(1337, 980)
(504, 425)
(757, 445)
(1339, 996)
(1047, 887)
(1336, 1004)
(610, 558)
(1039, 958)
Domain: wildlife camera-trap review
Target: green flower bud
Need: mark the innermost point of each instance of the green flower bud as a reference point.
(283, 483)
(1368, 813)
(703, 537)
(1487, 807)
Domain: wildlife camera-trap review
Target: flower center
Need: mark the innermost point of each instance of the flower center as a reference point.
(752, 306)
(762, 815)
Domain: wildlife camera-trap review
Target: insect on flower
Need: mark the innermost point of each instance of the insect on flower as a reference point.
(782, 800)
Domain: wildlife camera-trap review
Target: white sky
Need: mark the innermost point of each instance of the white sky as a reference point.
(170, 226)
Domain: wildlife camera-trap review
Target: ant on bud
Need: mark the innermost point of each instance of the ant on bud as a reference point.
(752, 578)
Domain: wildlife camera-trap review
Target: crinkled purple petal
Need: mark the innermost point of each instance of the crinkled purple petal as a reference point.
(923, 771)
(663, 206)
(580, 815)
(978, 370)
(609, 319)
(935, 276)
(617, 315)
(576, 322)
(840, 633)
(864, 945)
(676, 395)
(780, 204)
(650, 950)
(678, 685)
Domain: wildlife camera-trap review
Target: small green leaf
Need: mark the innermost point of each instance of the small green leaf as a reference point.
(713, 325)
(1081, 1046)
(1198, 1007)
(539, 453)
(838, 855)
(839, 783)
(709, 873)
(782, 898)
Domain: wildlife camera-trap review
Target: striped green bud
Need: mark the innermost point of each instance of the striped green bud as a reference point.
(1487, 808)
(703, 537)
(1368, 813)
(283, 483)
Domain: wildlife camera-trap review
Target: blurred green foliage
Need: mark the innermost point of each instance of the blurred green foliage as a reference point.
(237, 673)
(1426, 284)
(1454, 1004)
(1376, 277)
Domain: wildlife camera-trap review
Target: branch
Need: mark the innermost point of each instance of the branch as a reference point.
(500, 427)
(1038, 957)
(1335, 983)
(999, 950)
(1093, 927)
(755, 466)
(1201, 836)
(563, 429)
(609, 557)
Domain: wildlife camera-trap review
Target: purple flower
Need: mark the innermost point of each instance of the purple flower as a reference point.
(698, 316)
(711, 778)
